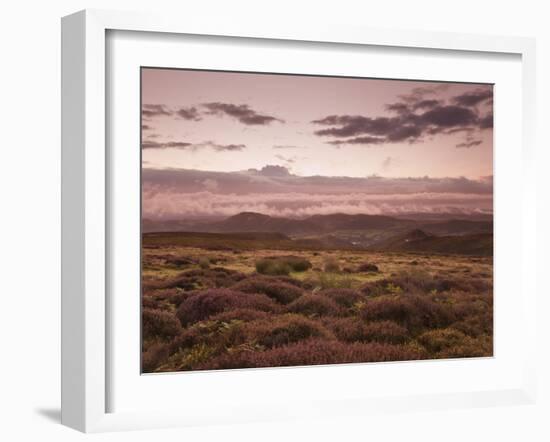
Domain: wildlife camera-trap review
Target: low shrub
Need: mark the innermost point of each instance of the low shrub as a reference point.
(313, 352)
(179, 261)
(149, 302)
(189, 357)
(266, 266)
(415, 281)
(179, 296)
(280, 291)
(282, 330)
(476, 325)
(440, 339)
(482, 346)
(296, 263)
(343, 296)
(331, 265)
(348, 329)
(159, 324)
(212, 301)
(421, 282)
(240, 314)
(216, 277)
(412, 311)
(188, 280)
(282, 265)
(353, 329)
(208, 332)
(204, 263)
(368, 267)
(153, 356)
(385, 331)
(312, 304)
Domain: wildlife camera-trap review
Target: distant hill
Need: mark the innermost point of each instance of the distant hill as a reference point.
(257, 222)
(339, 231)
(341, 221)
(457, 227)
(419, 241)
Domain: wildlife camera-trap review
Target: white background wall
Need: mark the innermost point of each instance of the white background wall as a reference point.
(30, 220)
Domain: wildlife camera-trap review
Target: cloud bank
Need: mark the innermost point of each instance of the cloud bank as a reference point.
(165, 204)
(177, 194)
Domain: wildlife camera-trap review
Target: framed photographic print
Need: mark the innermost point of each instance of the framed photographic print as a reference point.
(292, 223)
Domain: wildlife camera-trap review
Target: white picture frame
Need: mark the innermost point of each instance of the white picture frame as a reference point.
(86, 208)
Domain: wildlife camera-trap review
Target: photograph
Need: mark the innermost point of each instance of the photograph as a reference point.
(302, 220)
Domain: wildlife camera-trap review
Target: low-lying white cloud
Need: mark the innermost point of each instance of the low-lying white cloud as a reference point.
(273, 190)
(163, 204)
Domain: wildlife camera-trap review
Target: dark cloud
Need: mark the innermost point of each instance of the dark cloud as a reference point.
(155, 110)
(419, 93)
(226, 147)
(473, 98)
(468, 144)
(353, 125)
(447, 116)
(400, 108)
(150, 144)
(189, 113)
(359, 140)
(410, 106)
(414, 118)
(426, 104)
(242, 112)
(486, 122)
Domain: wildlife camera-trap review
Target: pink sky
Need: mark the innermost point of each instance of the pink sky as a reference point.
(307, 126)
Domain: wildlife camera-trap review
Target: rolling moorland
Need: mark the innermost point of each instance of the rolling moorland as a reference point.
(258, 291)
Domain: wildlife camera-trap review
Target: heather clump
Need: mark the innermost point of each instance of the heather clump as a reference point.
(368, 267)
(354, 329)
(413, 312)
(283, 329)
(159, 324)
(312, 304)
(280, 291)
(344, 297)
(209, 302)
